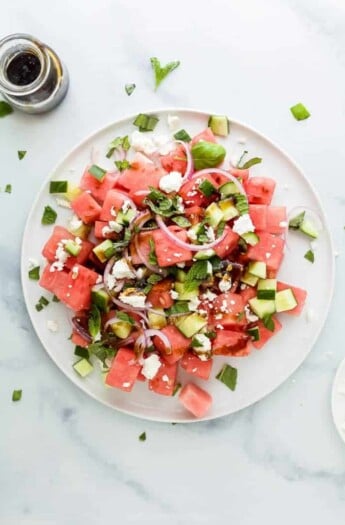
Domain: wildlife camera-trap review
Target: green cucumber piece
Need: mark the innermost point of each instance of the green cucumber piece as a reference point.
(249, 279)
(83, 367)
(189, 325)
(308, 228)
(72, 247)
(157, 319)
(266, 289)
(184, 294)
(125, 218)
(213, 214)
(227, 189)
(285, 300)
(101, 299)
(121, 329)
(204, 255)
(104, 250)
(262, 307)
(254, 333)
(258, 269)
(220, 125)
(228, 209)
(250, 238)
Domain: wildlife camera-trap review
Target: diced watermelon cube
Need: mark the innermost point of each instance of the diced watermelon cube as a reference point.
(76, 291)
(240, 174)
(140, 177)
(258, 215)
(195, 400)
(98, 189)
(124, 370)
(260, 190)
(78, 340)
(206, 135)
(53, 281)
(190, 191)
(59, 234)
(159, 295)
(174, 161)
(300, 296)
(229, 342)
(276, 219)
(167, 252)
(269, 249)
(265, 334)
(228, 244)
(164, 381)
(248, 293)
(179, 344)
(113, 203)
(194, 366)
(230, 306)
(86, 207)
(98, 231)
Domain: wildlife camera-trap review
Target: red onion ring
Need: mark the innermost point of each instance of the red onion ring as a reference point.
(81, 330)
(220, 172)
(186, 245)
(127, 307)
(190, 164)
(131, 203)
(144, 338)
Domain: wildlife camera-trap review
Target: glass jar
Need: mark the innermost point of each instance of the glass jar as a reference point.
(32, 77)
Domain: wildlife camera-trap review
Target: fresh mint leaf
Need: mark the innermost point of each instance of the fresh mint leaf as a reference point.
(161, 72)
(129, 88)
(228, 376)
(34, 273)
(94, 323)
(21, 154)
(122, 164)
(310, 256)
(250, 163)
(152, 253)
(5, 109)
(49, 216)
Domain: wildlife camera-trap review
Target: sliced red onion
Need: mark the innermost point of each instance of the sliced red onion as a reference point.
(157, 333)
(140, 219)
(130, 202)
(186, 245)
(129, 308)
(140, 193)
(190, 164)
(225, 173)
(128, 341)
(81, 330)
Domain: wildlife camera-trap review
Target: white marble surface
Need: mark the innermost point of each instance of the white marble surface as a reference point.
(64, 458)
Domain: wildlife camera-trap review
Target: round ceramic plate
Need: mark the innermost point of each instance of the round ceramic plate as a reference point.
(263, 370)
(338, 400)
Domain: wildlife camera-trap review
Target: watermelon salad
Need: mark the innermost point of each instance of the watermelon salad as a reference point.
(170, 260)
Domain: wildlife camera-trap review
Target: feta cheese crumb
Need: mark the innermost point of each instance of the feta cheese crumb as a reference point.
(52, 326)
(243, 224)
(174, 122)
(125, 206)
(220, 327)
(283, 224)
(210, 233)
(75, 223)
(32, 263)
(121, 270)
(63, 203)
(140, 273)
(165, 378)
(75, 272)
(209, 296)
(224, 285)
(204, 342)
(171, 182)
(136, 300)
(173, 294)
(194, 304)
(111, 281)
(61, 257)
(181, 265)
(250, 316)
(151, 365)
(126, 385)
(99, 279)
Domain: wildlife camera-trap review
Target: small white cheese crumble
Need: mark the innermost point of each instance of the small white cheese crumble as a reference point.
(121, 270)
(283, 224)
(151, 365)
(174, 122)
(194, 304)
(126, 385)
(250, 316)
(75, 223)
(75, 272)
(165, 378)
(203, 344)
(150, 144)
(61, 257)
(220, 327)
(111, 281)
(135, 300)
(181, 265)
(99, 279)
(113, 212)
(52, 326)
(140, 273)
(243, 225)
(309, 314)
(171, 182)
(32, 263)
(125, 206)
(268, 255)
(63, 203)
(173, 294)
(224, 285)
(210, 233)
(209, 296)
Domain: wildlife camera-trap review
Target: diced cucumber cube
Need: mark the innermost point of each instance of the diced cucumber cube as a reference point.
(228, 209)
(204, 255)
(308, 228)
(101, 299)
(121, 329)
(219, 124)
(72, 248)
(251, 238)
(227, 189)
(285, 300)
(249, 279)
(184, 294)
(189, 325)
(262, 307)
(104, 250)
(83, 367)
(157, 319)
(258, 269)
(266, 288)
(213, 214)
(254, 333)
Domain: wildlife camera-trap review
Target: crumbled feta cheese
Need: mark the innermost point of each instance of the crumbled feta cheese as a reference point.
(32, 263)
(204, 342)
(113, 211)
(63, 203)
(121, 270)
(243, 224)
(194, 304)
(135, 300)
(61, 257)
(210, 233)
(111, 281)
(75, 223)
(173, 294)
(150, 366)
(140, 273)
(181, 265)
(268, 255)
(179, 203)
(163, 144)
(125, 206)
(52, 326)
(126, 385)
(220, 327)
(250, 316)
(224, 285)
(99, 279)
(171, 182)
(75, 272)
(218, 316)
(150, 144)
(165, 378)
(243, 286)
(78, 241)
(177, 254)
(283, 224)
(209, 296)
(224, 307)
(174, 122)
(115, 226)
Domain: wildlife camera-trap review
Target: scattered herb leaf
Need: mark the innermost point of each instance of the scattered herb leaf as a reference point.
(309, 255)
(16, 395)
(129, 88)
(125, 317)
(49, 215)
(296, 222)
(8, 188)
(228, 376)
(181, 221)
(5, 109)
(182, 135)
(58, 186)
(250, 163)
(152, 253)
(268, 322)
(122, 164)
(142, 437)
(34, 273)
(161, 72)
(21, 154)
(300, 112)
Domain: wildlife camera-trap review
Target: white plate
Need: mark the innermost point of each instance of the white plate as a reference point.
(338, 400)
(262, 371)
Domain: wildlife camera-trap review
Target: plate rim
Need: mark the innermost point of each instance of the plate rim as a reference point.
(167, 110)
(340, 370)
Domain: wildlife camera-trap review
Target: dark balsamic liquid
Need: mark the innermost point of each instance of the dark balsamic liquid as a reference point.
(23, 69)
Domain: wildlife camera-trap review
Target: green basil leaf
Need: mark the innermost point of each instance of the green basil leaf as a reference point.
(228, 376)
(21, 154)
(129, 88)
(207, 154)
(161, 72)
(309, 255)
